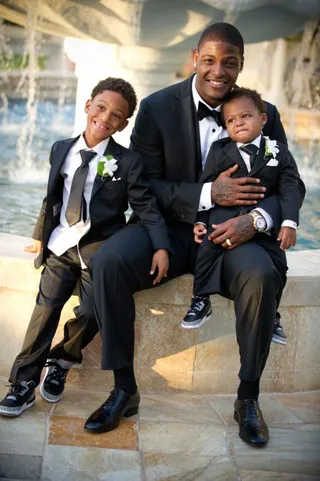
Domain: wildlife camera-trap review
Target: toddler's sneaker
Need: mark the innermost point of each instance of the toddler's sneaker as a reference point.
(52, 385)
(278, 335)
(199, 312)
(20, 397)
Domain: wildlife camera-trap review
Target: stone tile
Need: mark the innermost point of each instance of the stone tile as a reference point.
(215, 381)
(68, 431)
(164, 377)
(271, 475)
(184, 408)
(217, 347)
(20, 466)
(304, 405)
(24, 435)
(273, 411)
(179, 438)
(293, 449)
(91, 464)
(171, 350)
(92, 378)
(79, 404)
(175, 467)
(151, 296)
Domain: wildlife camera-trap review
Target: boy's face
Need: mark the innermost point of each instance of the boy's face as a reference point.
(218, 66)
(243, 120)
(106, 114)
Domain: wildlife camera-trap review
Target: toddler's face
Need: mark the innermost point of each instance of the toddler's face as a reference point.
(243, 120)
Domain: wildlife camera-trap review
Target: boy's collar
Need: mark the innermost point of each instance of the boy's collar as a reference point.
(99, 148)
(255, 141)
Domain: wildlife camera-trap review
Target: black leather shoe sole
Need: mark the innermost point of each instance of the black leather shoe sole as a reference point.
(106, 427)
(246, 439)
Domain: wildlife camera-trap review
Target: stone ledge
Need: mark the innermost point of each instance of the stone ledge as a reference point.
(169, 358)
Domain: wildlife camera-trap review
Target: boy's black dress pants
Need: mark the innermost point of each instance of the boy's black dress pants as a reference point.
(58, 281)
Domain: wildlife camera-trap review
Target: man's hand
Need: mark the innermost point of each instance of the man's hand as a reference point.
(35, 248)
(199, 231)
(238, 230)
(288, 237)
(160, 261)
(226, 191)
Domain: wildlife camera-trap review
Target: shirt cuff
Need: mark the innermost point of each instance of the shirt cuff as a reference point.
(205, 198)
(268, 218)
(289, 223)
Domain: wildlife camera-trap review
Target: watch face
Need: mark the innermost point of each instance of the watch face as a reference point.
(260, 223)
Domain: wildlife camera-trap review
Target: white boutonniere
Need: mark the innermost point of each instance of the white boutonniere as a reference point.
(107, 166)
(271, 148)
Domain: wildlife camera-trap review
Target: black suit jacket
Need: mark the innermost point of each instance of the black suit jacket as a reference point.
(109, 201)
(165, 134)
(281, 179)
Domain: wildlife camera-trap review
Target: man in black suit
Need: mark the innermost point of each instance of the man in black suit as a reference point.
(174, 143)
(91, 181)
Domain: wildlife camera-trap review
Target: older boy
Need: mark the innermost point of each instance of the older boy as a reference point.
(91, 181)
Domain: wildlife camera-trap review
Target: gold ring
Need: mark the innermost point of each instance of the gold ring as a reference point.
(228, 242)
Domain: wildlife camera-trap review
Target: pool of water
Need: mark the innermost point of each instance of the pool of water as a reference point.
(23, 182)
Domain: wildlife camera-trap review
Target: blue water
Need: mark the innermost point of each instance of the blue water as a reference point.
(22, 187)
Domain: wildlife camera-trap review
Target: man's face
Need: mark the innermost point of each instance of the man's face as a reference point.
(106, 114)
(243, 120)
(218, 66)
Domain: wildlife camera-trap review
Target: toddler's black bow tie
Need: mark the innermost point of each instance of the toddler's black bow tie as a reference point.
(204, 111)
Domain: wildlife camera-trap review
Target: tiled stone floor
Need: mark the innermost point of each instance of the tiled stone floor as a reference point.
(175, 437)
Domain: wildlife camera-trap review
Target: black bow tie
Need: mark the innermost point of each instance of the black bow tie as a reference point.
(204, 111)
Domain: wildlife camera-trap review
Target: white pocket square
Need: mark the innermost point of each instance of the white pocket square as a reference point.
(115, 180)
(272, 163)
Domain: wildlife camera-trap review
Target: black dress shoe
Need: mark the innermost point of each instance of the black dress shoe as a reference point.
(108, 416)
(252, 428)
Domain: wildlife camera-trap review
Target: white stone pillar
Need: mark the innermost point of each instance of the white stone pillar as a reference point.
(147, 69)
(277, 70)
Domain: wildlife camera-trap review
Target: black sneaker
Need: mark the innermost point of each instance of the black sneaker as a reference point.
(199, 312)
(278, 335)
(20, 397)
(52, 385)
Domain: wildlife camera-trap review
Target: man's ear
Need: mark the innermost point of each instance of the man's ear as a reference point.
(195, 58)
(87, 106)
(125, 123)
(242, 63)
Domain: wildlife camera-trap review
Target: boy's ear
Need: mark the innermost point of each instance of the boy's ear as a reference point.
(242, 63)
(264, 119)
(125, 123)
(87, 105)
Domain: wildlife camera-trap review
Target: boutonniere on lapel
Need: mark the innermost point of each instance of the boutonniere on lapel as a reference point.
(271, 150)
(107, 166)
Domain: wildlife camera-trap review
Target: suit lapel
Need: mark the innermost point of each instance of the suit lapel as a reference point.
(232, 151)
(112, 149)
(261, 160)
(187, 120)
(57, 162)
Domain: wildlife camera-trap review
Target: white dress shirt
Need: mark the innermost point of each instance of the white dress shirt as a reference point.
(64, 237)
(246, 158)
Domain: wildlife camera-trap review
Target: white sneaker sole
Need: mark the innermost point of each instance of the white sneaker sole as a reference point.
(278, 340)
(189, 325)
(14, 414)
(45, 395)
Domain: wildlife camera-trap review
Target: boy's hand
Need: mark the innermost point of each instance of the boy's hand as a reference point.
(160, 261)
(199, 231)
(288, 237)
(35, 248)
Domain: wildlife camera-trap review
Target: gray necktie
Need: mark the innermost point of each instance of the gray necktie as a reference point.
(73, 213)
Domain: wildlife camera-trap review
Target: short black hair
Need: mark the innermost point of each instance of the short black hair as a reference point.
(239, 92)
(119, 85)
(222, 32)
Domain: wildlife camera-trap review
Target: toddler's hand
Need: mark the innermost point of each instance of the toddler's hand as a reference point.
(287, 236)
(36, 247)
(160, 261)
(199, 231)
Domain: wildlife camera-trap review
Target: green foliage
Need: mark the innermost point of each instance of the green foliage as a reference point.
(18, 62)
